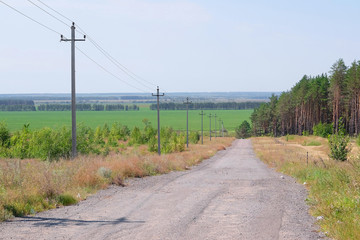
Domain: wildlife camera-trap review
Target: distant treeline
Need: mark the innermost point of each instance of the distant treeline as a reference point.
(314, 103)
(88, 107)
(17, 105)
(28, 105)
(208, 106)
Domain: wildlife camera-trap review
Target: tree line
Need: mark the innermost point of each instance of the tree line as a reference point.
(314, 103)
(88, 107)
(17, 105)
(28, 105)
(207, 106)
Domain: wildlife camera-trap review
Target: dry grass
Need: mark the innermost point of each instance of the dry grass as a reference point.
(334, 187)
(29, 186)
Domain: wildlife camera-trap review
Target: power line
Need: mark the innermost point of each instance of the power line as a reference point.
(102, 50)
(105, 53)
(41, 24)
(112, 74)
(117, 64)
(55, 11)
(48, 13)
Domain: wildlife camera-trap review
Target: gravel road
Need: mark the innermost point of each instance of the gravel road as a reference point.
(233, 195)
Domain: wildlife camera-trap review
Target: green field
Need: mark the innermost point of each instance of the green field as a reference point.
(174, 119)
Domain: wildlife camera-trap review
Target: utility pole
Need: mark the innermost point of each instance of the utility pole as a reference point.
(187, 121)
(222, 128)
(158, 116)
(219, 126)
(215, 125)
(73, 92)
(210, 125)
(202, 134)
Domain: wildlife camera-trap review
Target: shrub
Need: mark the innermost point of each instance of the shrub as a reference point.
(243, 131)
(98, 136)
(19, 143)
(194, 137)
(323, 129)
(4, 135)
(135, 137)
(85, 139)
(66, 199)
(152, 144)
(119, 132)
(339, 144)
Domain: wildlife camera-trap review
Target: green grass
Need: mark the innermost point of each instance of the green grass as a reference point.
(174, 119)
(312, 143)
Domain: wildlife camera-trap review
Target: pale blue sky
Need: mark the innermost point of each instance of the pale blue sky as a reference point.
(181, 46)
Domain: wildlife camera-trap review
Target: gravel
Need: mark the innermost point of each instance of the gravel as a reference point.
(233, 195)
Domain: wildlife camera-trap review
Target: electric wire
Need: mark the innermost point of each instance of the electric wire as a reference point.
(48, 13)
(117, 64)
(30, 18)
(131, 74)
(107, 71)
(105, 53)
(55, 11)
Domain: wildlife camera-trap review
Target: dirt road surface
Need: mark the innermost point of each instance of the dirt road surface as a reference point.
(230, 196)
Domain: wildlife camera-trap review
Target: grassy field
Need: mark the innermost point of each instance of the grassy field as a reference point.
(174, 119)
(334, 186)
(29, 186)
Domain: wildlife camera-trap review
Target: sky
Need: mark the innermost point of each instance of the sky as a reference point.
(178, 45)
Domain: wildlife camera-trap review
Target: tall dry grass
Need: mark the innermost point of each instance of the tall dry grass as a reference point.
(30, 186)
(334, 187)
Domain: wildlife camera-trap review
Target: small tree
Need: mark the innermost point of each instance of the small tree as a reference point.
(323, 129)
(338, 143)
(4, 135)
(243, 131)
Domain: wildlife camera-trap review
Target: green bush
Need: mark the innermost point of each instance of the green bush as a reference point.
(19, 143)
(119, 132)
(152, 145)
(243, 130)
(323, 129)
(339, 144)
(52, 144)
(48, 144)
(66, 199)
(85, 139)
(98, 136)
(136, 137)
(4, 135)
(194, 137)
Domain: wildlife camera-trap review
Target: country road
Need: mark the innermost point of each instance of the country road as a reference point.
(233, 195)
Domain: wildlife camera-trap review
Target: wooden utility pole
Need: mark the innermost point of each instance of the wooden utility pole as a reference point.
(219, 126)
(73, 92)
(215, 125)
(210, 125)
(158, 116)
(202, 133)
(187, 121)
(222, 128)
